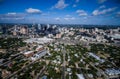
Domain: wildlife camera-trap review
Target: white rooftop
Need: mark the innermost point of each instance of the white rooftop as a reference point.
(116, 36)
(39, 40)
(112, 71)
(28, 52)
(95, 56)
(80, 76)
(40, 46)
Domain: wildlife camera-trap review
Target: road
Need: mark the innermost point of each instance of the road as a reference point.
(24, 67)
(99, 70)
(41, 71)
(64, 64)
(9, 61)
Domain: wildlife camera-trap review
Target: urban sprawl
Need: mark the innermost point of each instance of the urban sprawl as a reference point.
(51, 51)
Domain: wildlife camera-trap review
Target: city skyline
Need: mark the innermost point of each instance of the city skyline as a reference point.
(103, 12)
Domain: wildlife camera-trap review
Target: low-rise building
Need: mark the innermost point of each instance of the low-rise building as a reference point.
(29, 53)
(38, 55)
(113, 73)
(80, 76)
(43, 40)
(96, 57)
(39, 48)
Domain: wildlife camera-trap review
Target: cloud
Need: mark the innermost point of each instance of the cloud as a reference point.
(69, 18)
(32, 10)
(13, 13)
(74, 5)
(81, 13)
(17, 18)
(118, 14)
(60, 4)
(76, 1)
(44, 14)
(85, 18)
(57, 19)
(12, 16)
(104, 11)
(68, 15)
(101, 1)
(103, 6)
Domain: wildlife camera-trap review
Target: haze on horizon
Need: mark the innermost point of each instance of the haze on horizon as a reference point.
(103, 12)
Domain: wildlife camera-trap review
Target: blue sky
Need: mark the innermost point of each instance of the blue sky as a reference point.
(103, 12)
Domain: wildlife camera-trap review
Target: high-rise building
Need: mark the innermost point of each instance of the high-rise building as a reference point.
(15, 30)
(24, 30)
(39, 26)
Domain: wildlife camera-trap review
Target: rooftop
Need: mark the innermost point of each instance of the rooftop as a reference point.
(28, 52)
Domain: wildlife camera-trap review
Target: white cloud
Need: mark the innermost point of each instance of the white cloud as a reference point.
(12, 16)
(85, 18)
(69, 18)
(58, 19)
(15, 18)
(97, 12)
(118, 14)
(20, 18)
(76, 1)
(74, 5)
(12, 13)
(81, 13)
(101, 1)
(32, 10)
(44, 14)
(67, 15)
(60, 4)
(103, 6)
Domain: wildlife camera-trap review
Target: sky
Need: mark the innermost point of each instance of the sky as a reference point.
(95, 12)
